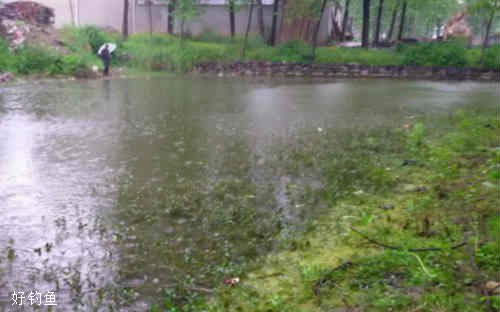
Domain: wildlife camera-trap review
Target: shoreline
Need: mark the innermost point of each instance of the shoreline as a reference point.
(283, 69)
(287, 70)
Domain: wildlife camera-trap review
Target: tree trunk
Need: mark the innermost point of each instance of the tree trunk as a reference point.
(336, 32)
(183, 20)
(260, 19)
(366, 24)
(402, 21)
(486, 36)
(316, 31)
(77, 13)
(344, 20)
(72, 12)
(231, 18)
(125, 19)
(247, 30)
(410, 25)
(379, 19)
(150, 18)
(393, 23)
(274, 26)
(171, 18)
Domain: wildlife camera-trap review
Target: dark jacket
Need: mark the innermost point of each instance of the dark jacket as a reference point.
(106, 56)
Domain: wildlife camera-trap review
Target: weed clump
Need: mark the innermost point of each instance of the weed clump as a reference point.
(449, 53)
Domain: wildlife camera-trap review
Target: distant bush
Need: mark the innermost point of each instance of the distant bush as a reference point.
(6, 58)
(295, 51)
(72, 64)
(450, 53)
(96, 38)
(29, 60)
(492, 57)
(42, 60)
(87, 38)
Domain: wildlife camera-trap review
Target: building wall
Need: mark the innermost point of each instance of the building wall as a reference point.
(159, 16)
(108, 13)
(104, 13)
(216, 18)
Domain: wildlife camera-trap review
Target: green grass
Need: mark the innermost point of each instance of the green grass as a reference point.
(43, 60)
(165, 52)
(161, 52)
(449, 190)
(358, 55)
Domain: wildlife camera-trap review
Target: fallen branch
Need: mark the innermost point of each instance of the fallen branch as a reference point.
(327, 277)
(403, 248)
(200, 289)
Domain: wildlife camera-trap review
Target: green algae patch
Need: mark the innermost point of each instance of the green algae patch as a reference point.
(412, 224)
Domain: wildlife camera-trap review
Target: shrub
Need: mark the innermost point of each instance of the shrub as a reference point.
(492, 57)
(87, 38)
(29, 60)
(449, 53)
(294, 51)
(6, 57)
(96, 38)
(43, 60)
(72, 64)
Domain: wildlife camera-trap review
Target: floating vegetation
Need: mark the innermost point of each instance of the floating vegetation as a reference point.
(431, 247)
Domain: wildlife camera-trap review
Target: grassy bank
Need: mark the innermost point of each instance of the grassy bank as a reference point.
(413, 225)
(76, 53)
(162, 52)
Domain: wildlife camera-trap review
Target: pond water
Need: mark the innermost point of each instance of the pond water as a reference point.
(111, 190)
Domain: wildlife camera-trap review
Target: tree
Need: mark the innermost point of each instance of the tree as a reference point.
(260, 19)
(393, 22)
(231, 17)
(249, 23)
(150, 19)
(125, 19)
(72, 12)
(184, 10)
(171, 16)
(488, 8)
(274, 26)
(316, 31)
(366, 24)
(378, 22)
(402, 20)
(345, 20)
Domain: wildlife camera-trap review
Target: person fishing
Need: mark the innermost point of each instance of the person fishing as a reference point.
(106, 59)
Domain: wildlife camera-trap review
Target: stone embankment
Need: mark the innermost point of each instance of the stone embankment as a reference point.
(279, 69)
(6, 77)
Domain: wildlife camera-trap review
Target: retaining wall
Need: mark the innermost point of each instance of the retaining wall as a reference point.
(278, 69)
